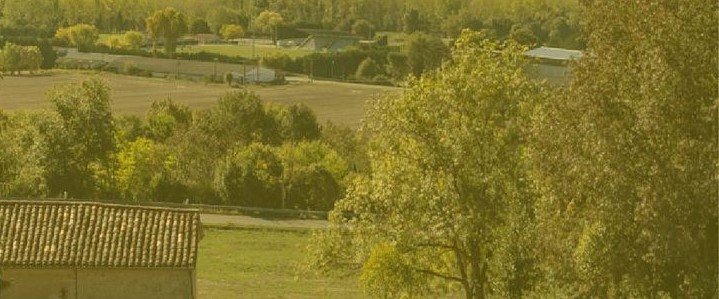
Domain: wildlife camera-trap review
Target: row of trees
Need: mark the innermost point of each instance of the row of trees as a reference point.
(488, 183)
(15, 59)
(239, 153)
(549, 22)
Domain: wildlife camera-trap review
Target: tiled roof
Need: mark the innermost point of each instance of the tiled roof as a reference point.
(554, 53)
(84, 234)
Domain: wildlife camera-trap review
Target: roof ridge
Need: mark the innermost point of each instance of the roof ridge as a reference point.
(95, 203)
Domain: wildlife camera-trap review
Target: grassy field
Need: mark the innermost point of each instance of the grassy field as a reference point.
(246, 50)
(331, 101)
(262, 264)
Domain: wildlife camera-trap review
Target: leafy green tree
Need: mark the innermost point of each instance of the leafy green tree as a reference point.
(194, 166)
(350, 144)
(128, 128)
(368, 69)
(133, 40)
(81, 36)
(21, 58)
(165, 117)
(425, 53)
(267, 23)
(239, 118)
(114, 42)
(250, 176)
(312, 175)
(82, 140)
(523, 36)
(447, 204)
(412, 22)
(41, 13)
(143, 172)
(397, 66)
(232, 31)
(23, 146)
(199, 26)
(167, 25)
(297, 122)
(49, 56)
(626, 158)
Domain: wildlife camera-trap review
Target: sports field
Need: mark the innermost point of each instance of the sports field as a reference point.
(337, 102)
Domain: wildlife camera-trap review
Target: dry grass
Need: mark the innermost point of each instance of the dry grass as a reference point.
(336, 102)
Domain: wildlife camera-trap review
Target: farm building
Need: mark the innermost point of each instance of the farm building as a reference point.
(94, 250)
(552, 64)
(327, 40)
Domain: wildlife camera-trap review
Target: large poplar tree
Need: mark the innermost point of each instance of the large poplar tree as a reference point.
(626, 158)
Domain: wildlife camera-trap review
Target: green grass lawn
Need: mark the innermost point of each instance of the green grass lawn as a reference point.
(257, 263)
(245, 50)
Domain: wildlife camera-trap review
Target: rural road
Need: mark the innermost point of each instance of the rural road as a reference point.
(254, 222)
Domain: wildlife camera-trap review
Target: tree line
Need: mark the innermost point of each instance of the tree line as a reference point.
(554, 23)
(241, 152)
(488, 184)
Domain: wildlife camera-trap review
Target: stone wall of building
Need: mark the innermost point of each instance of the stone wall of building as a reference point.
(98, 283)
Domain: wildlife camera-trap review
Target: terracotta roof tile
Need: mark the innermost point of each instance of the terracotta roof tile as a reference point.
(84, 234)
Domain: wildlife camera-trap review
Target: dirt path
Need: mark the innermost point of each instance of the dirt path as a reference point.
(248, 221)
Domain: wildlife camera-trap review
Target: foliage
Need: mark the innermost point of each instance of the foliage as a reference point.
(626, 157)
(411, 21)
(133, 40)
(448, 186)
(22, 150)
(167, 24)
(311, 176)
(20, 58)
(143, 172)
(425, 53)
(232, 31)
(523, 36)
(267, 22)
(81, 36)
(239, 118)
(250, 176)
(82, 140)
(199, 26)
(297, 122)
(349, 144)
(397, 66)
(165, 117)
(368, 69)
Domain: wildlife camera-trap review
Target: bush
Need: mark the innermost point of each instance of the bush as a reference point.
(367, 69)
(21, 58)
(81, 36)
(133, 40)
(232, 31)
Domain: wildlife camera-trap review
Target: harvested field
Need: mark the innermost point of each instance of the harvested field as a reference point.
(337, 102)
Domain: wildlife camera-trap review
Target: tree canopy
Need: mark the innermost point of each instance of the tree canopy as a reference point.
(168, 25)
